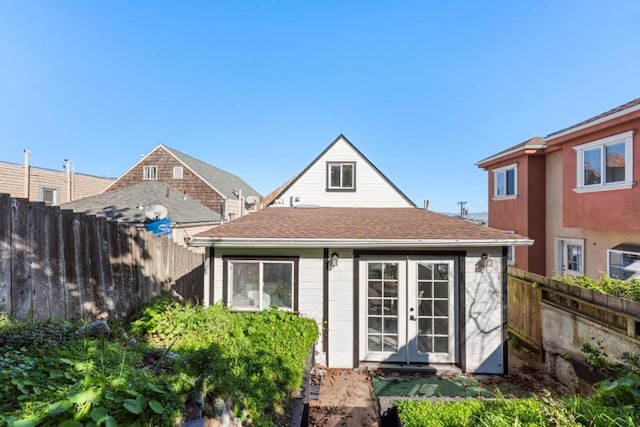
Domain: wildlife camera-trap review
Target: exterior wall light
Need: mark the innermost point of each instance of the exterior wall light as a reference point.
(486, 261)
(333, 263)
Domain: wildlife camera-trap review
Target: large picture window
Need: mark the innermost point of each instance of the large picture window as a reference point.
(505, 182)
(341, 176)
(605, 164)
(260, 284)
(623, 262)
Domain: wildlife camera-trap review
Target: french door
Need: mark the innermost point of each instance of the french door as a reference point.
(407, 310)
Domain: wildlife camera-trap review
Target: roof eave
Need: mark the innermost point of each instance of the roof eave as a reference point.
(533, 147)
(235, 242)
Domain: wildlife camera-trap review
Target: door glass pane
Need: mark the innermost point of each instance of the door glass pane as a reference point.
(425, 271)
(424, 326)
(390, 326)
(374, 343)
(382, 306)
(425, 308)
(245, 285)
(615, 162)
(441, 326)
(592, 166)
(375, 270)
(433, 308)
(424, 290)
(440, 290)
(375, 325)
(425, 345)
(390, 289)
(441, 272)
(390, 343)
(441, 308)
(440, 344)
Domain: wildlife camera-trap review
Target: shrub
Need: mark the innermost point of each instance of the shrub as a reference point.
(606, 285)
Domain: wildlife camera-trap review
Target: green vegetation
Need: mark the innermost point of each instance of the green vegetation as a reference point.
(49, 377)
(606, 285)
(614, 403)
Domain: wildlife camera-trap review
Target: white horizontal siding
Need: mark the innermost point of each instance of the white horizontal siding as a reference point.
(341, 314)
(483, 307)
(372, 190)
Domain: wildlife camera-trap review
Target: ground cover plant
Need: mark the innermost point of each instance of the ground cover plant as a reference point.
(50, 377)
(621, 288)
(615, 403)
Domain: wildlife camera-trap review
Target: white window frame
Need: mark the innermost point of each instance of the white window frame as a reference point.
(496, 178)
(511, 254)
(627, 139)
(341, 186)
(261, 303)
(561, 255)
(56, 195)
(621, 251)
(178, 172)
(150, 173)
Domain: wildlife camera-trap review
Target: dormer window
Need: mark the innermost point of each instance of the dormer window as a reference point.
(341, 176)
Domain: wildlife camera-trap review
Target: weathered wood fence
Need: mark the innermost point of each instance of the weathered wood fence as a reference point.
(58, 264)
(557, 319)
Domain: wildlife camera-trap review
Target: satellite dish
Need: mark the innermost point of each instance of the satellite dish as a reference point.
(251, 200)
(155, 212)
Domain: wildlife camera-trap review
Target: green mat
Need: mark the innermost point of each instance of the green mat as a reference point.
(430, 386)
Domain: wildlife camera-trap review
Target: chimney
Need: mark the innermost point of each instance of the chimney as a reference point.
(426, 205)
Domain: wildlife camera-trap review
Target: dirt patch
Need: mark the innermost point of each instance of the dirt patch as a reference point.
(346, 399)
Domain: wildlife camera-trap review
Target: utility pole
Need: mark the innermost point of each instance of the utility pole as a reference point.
(463, 210)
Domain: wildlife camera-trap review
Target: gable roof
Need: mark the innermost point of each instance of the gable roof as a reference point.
(122, 204)
(345, 227)
(284, 187)
(534, 143)
(221, 181)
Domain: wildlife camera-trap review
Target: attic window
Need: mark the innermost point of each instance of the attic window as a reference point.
(177, 172)
(150, 173)
(341, 176)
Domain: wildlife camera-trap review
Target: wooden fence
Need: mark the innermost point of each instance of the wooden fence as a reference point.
(527, 291)
(58, 264)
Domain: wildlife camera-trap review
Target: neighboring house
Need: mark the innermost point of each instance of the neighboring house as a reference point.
(386, 283)
(214, 188)
(340, 176)
(574, 192)
(48, 186)
(131, 204)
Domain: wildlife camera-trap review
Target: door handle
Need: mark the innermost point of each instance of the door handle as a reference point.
(412, 317)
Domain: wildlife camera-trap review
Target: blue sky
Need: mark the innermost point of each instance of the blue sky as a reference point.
(424, 89)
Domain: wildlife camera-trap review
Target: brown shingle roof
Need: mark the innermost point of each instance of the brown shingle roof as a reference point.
(353, 223)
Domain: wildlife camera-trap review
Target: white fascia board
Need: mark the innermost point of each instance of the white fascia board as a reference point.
(507, 153)
(351, 243)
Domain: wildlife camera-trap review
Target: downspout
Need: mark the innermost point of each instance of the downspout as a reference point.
(27, 173)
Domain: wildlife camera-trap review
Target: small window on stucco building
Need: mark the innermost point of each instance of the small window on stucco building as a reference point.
(505, 182)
